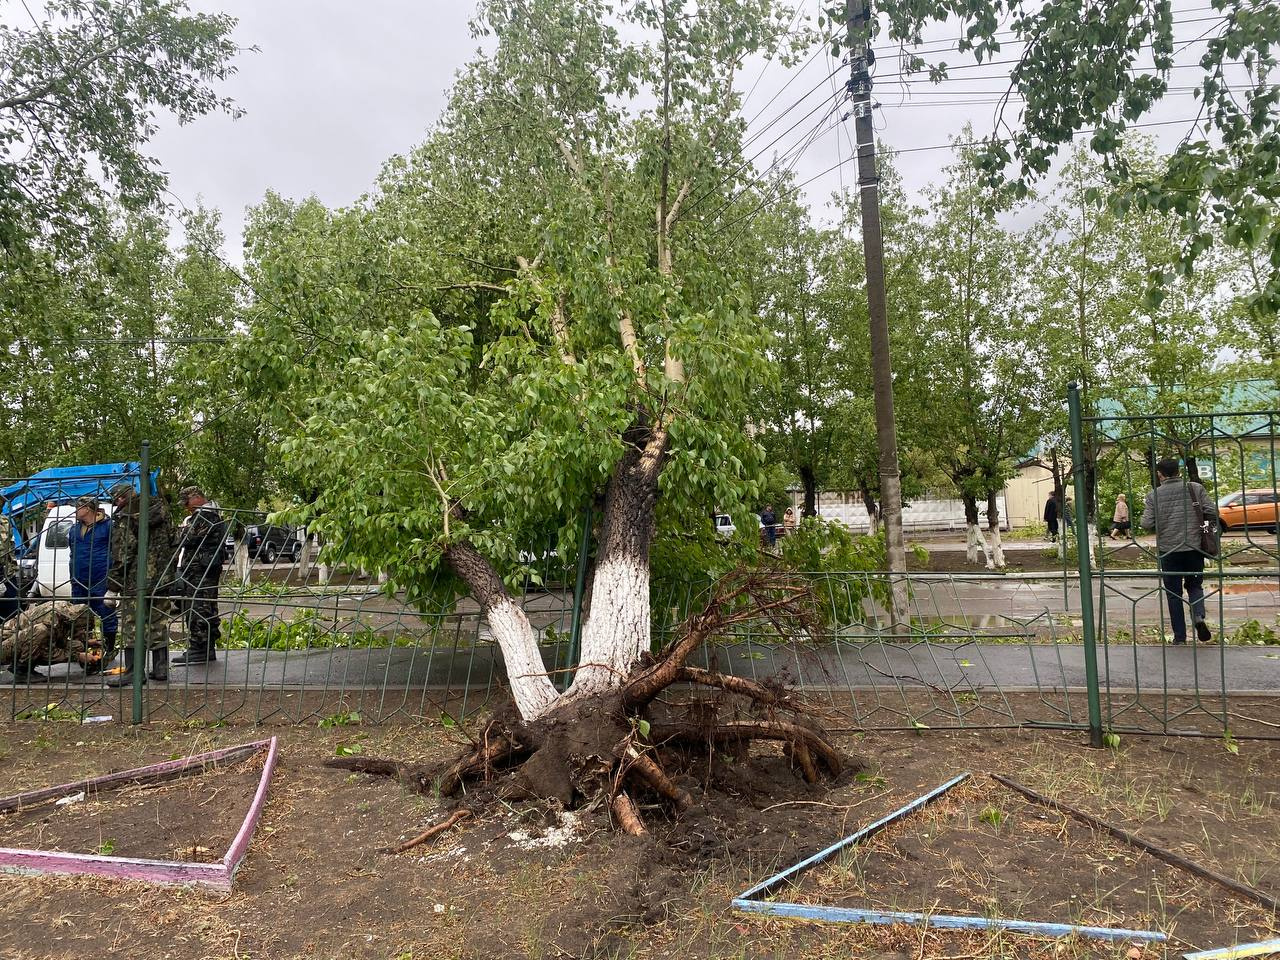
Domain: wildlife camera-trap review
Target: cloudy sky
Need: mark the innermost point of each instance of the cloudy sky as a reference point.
(338, 86)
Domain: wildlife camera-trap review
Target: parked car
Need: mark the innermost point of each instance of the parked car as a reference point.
(268, 543)
(1249, 508)
(726, 528)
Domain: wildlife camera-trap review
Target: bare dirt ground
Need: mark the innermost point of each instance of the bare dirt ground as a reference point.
(531, 883)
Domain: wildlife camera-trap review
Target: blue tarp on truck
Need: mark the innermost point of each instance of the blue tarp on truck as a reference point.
(62, 485)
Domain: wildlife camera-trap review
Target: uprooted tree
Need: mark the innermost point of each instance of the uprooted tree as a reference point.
(538, 309)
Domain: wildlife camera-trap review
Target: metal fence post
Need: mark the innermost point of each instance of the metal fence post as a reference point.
(141, 607)
(579, 588)
(1086, 571)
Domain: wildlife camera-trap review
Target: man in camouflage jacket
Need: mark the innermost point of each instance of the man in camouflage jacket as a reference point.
(55, 631)
(161, 575)
(201, 549)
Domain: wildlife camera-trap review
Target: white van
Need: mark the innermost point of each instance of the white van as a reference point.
(49, 563)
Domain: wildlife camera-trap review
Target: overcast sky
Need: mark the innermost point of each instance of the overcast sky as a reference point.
(338, 86)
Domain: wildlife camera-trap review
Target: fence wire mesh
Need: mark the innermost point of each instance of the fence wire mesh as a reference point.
(302, 641)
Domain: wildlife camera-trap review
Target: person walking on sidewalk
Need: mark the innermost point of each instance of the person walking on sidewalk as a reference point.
(1120, 518)
(1177, 511)
(1051, 517)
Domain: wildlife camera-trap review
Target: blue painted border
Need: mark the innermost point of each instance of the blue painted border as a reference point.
(747, 901)
(1240, 950)
(948, 921)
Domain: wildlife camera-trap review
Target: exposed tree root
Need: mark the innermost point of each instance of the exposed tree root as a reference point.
(766, 696)
(791, 733)
(450, 821)
(494, 752)
(642, 767)
(413, 777)
(613, 744)
(628, 817)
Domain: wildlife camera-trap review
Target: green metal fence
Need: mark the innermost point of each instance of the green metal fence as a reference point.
(1083, 649)
(1189, 687)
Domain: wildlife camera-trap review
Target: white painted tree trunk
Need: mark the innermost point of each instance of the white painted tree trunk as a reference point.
(306, 558)
(977, 541)
(617, 633)
(996, 561)
(241, 563)
(530, 686)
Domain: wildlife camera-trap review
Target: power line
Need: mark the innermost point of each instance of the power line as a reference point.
(794, 76)
(802, 145)
(832, 101)
(940, 146)
(760, 76)
(1153, 71)
(812, 90)
(955, 48)
(994, 99)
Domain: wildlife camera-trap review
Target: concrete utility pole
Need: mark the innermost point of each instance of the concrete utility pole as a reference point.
(858, 22)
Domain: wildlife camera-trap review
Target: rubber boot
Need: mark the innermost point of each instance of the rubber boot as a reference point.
(159, 664)
(124, 679)
(196, 655)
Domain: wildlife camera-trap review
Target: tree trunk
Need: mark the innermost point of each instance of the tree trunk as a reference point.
(617, 633)
(240, 561)
(975, 540)
(1060, 499)
(530, 686)
(810, 484)
(306, 559)
(873, 509)
(995, 560)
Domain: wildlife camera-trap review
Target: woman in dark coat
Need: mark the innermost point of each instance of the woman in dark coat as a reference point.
(1051, 517)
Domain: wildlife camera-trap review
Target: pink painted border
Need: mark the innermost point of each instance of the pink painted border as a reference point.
(215, 876)
(160, 771)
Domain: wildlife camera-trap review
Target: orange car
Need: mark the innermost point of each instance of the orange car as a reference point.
(1251, 508)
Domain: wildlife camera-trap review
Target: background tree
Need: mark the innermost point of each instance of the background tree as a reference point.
(85, 274)
(843, 297)
(803, 422)
(1084, 68)
(78, 98)
(979, 352)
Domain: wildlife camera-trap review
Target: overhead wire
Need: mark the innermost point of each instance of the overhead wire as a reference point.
(917, 77)
(772, 55)
(795, 188)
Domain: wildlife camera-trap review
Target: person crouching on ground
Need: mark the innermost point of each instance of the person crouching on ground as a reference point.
(45, 633)
(1171, 511)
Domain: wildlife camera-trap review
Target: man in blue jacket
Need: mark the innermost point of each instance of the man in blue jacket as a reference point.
(90, 559)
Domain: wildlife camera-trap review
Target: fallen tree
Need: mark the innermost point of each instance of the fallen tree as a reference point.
(543, 308)
(619, 748)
